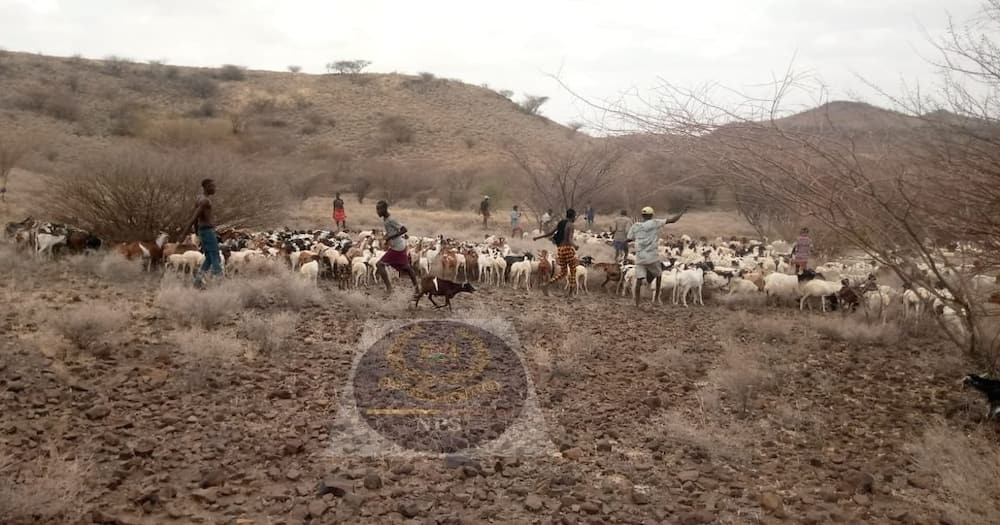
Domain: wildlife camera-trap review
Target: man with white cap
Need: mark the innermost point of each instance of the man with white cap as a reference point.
(484, 209)
(646, 235)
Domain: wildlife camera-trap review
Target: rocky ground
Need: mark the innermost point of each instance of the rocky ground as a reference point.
(657, 415)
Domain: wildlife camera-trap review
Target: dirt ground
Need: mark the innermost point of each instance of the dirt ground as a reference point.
(657, 415)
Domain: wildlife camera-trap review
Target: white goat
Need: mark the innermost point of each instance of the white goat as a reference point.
(310, 270)
(817, 288)
(690, 280)
(517, 271)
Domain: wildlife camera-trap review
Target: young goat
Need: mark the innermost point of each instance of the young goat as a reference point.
(431, 286)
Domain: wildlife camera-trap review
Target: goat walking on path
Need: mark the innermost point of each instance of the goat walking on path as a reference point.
(433, 286)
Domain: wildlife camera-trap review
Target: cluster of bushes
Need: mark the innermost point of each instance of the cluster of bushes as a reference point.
(50, 101)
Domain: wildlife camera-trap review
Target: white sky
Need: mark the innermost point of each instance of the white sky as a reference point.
(600, 47)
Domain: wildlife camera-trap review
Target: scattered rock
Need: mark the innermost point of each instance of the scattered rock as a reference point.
(652, 402)
(688, 475)
(293, 474)
(98, 412)
(333, 486)
(212, 478)
(144, 447)
(292, 447)
(639, 497)
(604, 445)
(408, 509)
(922, 481)
(533, 503)
(770, 501)
(590, 507)
(16, 386)
(697, 518)
(574, 453)
(860, 482)
(317, 507)
(861, 499)
(373, 481)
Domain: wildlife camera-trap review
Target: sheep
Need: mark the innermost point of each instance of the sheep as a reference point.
(360, 271)
(193, 259)
(628, 281)
(817, 288)
(433, 286)
(240, 259)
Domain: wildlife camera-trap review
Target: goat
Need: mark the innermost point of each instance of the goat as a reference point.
(848, 298)
(151, 253)
(433, 286)
(818, 288)
(612, 272)
(691, 280)
(989, 388)
(518, 270)
(310, 270)
(581, 279)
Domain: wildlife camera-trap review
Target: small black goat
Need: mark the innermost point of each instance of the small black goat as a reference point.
(431, 286)
(990, 388)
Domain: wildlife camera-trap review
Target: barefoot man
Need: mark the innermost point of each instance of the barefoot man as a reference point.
(396, 254)
(203, 226)
(339, 215)
(646, 235)
(562, 236)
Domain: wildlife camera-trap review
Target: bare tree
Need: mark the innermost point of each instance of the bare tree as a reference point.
(294, 69)
(12, 150)
(564, 178)
(130, 193)
(922, 199)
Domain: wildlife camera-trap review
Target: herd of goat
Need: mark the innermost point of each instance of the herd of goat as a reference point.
(736, 266)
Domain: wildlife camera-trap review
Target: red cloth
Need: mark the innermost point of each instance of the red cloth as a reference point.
(396, 259)
(339, 215)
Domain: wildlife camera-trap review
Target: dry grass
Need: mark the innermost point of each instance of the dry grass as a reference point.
(769, 329)
(968, 467)
(671, 358)
(49, 489)
(741, 376)
(853, 330)
(269, 333)
(742, 302)
(13, 262)
(86, 325)
(205, 308)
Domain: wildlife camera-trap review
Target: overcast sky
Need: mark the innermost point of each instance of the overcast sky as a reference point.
(599, 47)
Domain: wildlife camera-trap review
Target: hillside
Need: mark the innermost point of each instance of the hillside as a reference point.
(70, 105)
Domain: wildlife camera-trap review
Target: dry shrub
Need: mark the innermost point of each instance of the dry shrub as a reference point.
(49, 489)
(269, 333)
(852, 330)
(359, 302)
(968, 467)
(395, 130)
(183, 132)
(742, 302)
(260, 141)
(207, 354)
(285, 289)
(201, 86)
(741, 376)
(115, 267)
(13, 262)
(52, 102)
(205, 308)
(706, 438)
(112, 193)
(89, 324)
(232, 72)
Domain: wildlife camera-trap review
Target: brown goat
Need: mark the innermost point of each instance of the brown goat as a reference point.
(431, 286)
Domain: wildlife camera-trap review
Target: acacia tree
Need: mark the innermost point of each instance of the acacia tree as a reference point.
(533, 103)
(348, 67)
(566, 177)
(923, 201)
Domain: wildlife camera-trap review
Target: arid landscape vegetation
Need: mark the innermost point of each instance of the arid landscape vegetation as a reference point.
(127, 396)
